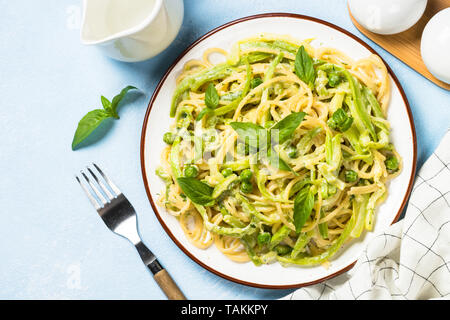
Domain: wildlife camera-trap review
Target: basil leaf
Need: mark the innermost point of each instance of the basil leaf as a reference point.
(299, 185)
(303, 205)
(203, 113)
(277, 162)
(284, 129)
(255, 82)
(304, 67)
(211, 97)
(94, 118)
(116, 100)
(284, 166)
(252, 134)
(340, 121)
(199, 192)
(106, 104)
(88, 124)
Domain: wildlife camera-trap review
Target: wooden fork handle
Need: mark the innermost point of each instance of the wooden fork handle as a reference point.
(161, 276)
(167, 285)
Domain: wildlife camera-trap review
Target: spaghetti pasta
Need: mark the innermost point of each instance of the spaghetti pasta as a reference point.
(281, 153)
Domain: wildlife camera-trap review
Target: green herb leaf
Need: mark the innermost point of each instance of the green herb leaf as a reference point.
(211, 100)
(88, 124)
(303, 205)
(106, 104)
(118, 98)
(211, 97)
(252, 134)
(255, 82)
(334, 79)
(284, 129)
(196, 190)
(299, 185)
(202, 113)
(304, 67)
(94, 118)
(340, 121)
(277, 162)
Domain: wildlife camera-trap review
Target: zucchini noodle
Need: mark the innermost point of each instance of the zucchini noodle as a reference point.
(334, 155)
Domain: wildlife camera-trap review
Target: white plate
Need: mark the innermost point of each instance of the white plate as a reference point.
(157, 122)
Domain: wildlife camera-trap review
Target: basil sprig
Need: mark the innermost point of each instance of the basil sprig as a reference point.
(211, 97)
(211, 101)
(304, 67)
(303, 205)
(252, 134)
(196, 190)
(284, 129)
(276, 161)
(94, 118)
(260, 139)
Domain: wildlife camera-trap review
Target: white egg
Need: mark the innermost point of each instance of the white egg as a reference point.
(387, 16)
(435, 45)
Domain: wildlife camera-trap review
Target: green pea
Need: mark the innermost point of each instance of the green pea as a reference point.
(190, 171)
(351, 176)
(246, 175)
(391, 163)
(363, 182)
(246, 187)
(292, 152)
(264, 238)
(282, 250)
(169, 137)
(227, 172)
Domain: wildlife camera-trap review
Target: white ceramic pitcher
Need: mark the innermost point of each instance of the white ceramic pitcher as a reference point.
(131, 30)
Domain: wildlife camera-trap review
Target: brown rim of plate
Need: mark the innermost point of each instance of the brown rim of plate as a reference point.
(161, 82)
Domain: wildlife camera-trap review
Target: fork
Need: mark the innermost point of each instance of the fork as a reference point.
(120, 217)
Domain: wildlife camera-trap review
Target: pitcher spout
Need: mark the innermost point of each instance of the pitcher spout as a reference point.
(106, 20)
(131, 30)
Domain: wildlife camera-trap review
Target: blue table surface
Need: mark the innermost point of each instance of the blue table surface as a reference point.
(52, 243)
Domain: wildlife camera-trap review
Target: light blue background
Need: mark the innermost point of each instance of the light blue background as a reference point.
(49, 233)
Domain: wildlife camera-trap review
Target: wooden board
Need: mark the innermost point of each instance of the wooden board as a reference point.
(406, 45)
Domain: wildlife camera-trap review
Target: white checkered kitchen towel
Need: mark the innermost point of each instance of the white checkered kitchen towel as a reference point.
(411, 259)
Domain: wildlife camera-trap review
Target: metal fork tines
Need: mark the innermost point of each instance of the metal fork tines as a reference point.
(120, 217)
